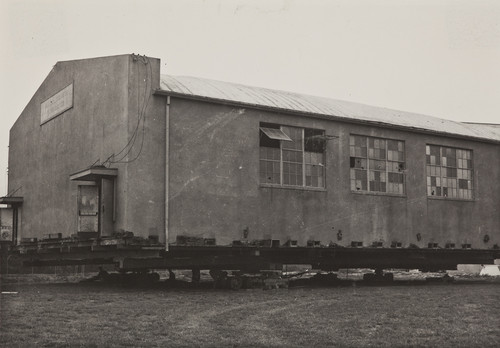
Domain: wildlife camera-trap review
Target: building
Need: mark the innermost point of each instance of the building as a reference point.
(110, 145)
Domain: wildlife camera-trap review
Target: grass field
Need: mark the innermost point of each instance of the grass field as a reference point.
(94, 315)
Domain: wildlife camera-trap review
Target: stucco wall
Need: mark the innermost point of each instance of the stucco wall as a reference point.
(215, 190)
(142, 189)
(107, 94)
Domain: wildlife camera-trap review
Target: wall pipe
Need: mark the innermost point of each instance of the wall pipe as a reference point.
(167, 166)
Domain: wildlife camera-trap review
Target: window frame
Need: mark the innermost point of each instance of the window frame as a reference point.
(444, 168)
(284, 162)
(368, 169)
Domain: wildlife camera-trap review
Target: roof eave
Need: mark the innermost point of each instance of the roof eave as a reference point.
(162, 92)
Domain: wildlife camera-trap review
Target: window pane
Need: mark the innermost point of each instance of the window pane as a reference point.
(449, 172)
(265, 140)
(384, 169)
(314, 169)
(276, 134)
(284, 162)
(269, 172)
(314, 140)
(296, 135)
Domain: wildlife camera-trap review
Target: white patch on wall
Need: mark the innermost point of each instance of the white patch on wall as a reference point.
(57, 104)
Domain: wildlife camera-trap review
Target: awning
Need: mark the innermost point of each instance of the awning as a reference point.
(11, 200)
(94, 174)
(275, 133)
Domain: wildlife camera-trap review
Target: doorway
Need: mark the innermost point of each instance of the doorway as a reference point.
(88, 211)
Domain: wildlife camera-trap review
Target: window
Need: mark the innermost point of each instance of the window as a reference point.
(449, 172)
(292, 156)
(377, 165)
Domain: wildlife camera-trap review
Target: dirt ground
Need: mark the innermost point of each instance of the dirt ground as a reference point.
(418, 314)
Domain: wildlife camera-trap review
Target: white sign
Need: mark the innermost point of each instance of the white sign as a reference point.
(57, 104)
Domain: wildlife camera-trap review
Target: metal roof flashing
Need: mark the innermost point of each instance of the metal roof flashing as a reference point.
(320, 107)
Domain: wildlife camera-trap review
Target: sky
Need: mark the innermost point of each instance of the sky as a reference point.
(437, 57)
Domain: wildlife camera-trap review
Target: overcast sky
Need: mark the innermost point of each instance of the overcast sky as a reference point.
(436, 57)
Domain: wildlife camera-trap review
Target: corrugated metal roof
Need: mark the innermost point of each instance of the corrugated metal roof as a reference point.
(236, 93)
(489, 128)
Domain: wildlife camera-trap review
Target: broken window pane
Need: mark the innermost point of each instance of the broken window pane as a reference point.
(314, 140)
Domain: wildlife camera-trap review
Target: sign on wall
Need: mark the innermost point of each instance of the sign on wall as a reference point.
(57, 104)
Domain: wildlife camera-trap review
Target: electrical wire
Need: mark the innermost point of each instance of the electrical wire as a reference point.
(12, 193)
(142, 117)
(142, 108)
(143, 111)
(93, 164)
(133, 138)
